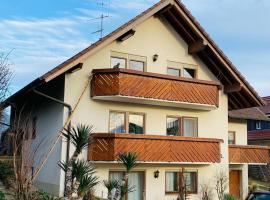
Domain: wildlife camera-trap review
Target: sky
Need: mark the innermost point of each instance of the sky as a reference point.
(42, 34)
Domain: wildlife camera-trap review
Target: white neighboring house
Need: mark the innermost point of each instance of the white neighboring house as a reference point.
(161, 88)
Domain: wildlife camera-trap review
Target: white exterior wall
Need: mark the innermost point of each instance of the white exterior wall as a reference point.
(151, 37)
(49, 121)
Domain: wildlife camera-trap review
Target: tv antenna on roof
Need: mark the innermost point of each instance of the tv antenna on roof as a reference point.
(101, 18)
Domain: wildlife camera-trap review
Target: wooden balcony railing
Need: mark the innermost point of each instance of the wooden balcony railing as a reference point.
(248, 154)
(151, 148)
(151, 88)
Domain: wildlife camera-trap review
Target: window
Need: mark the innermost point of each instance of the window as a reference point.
(173, 72)
(189, 73)
(181, 69)
(190, 127)
(258, 125)
(136, 124)
(173, 126)
(118, 62)
(231, 137)
(173, 181)
(127, 61)
(125, 122)
(117, 122)
(136, 65)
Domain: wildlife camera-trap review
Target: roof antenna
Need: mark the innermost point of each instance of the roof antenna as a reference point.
(101, 18)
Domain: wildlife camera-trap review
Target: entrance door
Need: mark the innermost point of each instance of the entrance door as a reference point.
(135, 182)
(235, 183)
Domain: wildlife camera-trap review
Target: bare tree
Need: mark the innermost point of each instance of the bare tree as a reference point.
(183, 186)
(25, 153)
(5, 75)
(221, 184)
(206, 191)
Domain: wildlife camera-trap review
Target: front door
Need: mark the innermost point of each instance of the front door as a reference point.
(235, 183)
(135, 182)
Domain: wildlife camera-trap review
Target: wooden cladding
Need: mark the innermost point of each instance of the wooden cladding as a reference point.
(151, 148)
(131, 83)
(248, 154)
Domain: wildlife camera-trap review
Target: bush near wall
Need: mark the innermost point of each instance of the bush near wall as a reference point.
(6, 173)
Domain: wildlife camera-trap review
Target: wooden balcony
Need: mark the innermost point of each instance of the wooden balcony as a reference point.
(105, 147)
(156, 89)
(250, 154)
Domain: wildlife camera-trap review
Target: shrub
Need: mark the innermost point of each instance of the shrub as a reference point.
(229, 197)
(2, 196)
(6, 173)
(41, 195)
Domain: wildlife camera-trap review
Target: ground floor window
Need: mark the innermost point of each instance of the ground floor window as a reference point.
(135, 182)
(173, 180)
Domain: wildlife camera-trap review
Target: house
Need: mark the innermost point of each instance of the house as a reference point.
(258, 121)
(160, 87)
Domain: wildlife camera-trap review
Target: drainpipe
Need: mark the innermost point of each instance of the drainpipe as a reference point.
(69, 113)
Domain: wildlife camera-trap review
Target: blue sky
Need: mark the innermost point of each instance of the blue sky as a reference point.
(44, 33)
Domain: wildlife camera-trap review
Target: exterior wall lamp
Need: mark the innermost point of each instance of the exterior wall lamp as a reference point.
(156, 174)
(155, 57)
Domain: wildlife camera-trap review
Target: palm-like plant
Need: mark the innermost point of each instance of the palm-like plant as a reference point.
(110, 185)
(79, 137)
(86, 185)
(129, 160)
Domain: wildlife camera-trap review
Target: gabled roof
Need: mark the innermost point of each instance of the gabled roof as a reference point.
(248, 113)
(240, 93)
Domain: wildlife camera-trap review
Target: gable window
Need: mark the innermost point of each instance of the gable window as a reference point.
(258, 125)
(136, 65)
(126, 122)
(118, 62)
(128, 61)
(231, 137)
(190, 127)
(117, 122)
(181, 69)
(189, 73)
(173, 126)
(174, 72)
(173, 180)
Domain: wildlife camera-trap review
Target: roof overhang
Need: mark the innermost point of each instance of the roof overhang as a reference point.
(199, 43)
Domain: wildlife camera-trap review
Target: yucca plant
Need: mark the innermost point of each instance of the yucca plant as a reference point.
(110, 185)
(87, 183)
(79, 137)
(129, 160)
(229, 197)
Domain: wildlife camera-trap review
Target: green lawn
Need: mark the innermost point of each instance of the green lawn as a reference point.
(259, 185)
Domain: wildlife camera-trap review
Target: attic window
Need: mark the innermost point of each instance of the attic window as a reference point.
(189, 73)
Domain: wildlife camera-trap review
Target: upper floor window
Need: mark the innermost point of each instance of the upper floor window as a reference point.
(173, 126)
(258, 125)
(181, 69)
(231, 137)
(118, 62)
(174, 179)
(173, 72)
(182, 126)
(128, 61)
(189, 73)
(126, 122)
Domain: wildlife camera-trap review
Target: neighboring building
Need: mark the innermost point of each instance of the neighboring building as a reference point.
(160, 88)
(258, 119)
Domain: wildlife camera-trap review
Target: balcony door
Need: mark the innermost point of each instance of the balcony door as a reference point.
(135, 181)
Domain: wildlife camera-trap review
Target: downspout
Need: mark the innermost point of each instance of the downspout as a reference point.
(69, 113)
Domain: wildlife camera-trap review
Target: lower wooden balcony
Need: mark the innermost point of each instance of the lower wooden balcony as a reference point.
(124, 85)
(248, 154)
(105, 147)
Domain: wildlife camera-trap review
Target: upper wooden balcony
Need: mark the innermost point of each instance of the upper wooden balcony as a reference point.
(248, 154)
(105, 147)
(126, 85)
